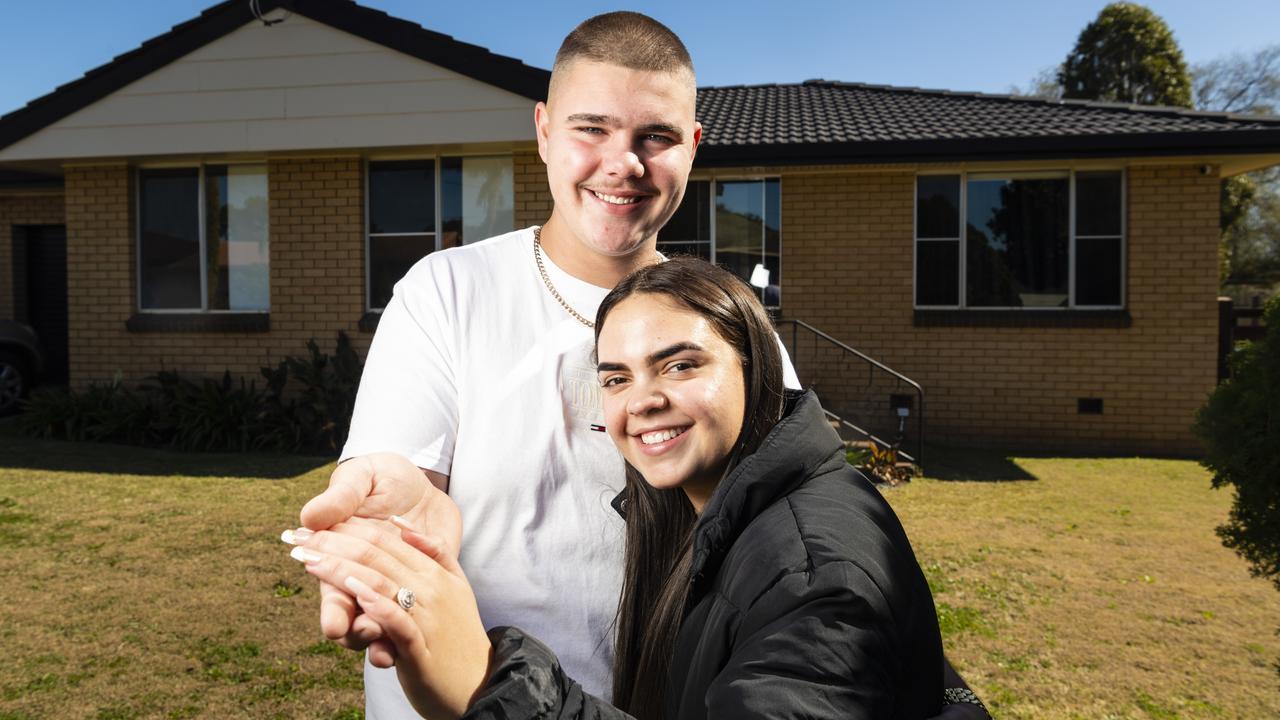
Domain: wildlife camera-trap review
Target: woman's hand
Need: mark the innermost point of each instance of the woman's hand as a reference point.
(442, 651)
(377, 486)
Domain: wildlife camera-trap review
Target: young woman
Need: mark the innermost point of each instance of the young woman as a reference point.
(764, 577)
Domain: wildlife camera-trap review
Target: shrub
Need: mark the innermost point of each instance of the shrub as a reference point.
(1240, 426)
(305, 407)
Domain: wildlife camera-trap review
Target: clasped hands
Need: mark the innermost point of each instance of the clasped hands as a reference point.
(439, 646)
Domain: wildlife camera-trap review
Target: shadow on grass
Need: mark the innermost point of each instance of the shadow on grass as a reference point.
(972, 465)
(17, 451)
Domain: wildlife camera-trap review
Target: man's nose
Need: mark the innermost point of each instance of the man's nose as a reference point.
(622, 160)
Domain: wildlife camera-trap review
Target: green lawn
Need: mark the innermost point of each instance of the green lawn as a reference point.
(143, 583)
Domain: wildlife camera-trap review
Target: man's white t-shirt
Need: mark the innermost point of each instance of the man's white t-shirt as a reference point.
(478, 373)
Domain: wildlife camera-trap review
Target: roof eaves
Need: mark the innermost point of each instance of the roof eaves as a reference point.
(1238, 142)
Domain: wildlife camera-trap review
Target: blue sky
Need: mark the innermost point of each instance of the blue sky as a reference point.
(983, 45)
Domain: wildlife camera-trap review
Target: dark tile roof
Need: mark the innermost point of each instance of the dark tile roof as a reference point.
(822, 121)
(804, 123)
(217, 21)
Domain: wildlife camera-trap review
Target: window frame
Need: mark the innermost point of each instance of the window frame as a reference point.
(437, 232)
(962, 240)
(715, 178)
(201, 215)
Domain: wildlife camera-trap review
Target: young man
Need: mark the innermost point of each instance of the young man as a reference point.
(480, 372)
(481, 376)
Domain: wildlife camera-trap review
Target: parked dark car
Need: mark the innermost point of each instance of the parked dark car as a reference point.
(20, 363)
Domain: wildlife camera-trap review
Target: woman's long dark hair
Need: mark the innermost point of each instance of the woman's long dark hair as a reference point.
(659, 535)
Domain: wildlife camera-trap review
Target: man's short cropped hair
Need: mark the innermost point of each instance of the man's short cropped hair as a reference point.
(627, 39)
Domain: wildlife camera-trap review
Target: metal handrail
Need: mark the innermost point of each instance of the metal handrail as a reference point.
(866, 433)
(795, 327)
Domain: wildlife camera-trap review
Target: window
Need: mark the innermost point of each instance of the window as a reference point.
(741, 231)
(203, 239)
(1021, 246)
(408, 219)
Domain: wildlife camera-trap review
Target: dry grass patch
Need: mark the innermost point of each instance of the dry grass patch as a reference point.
(1092, 588)
(151, 584)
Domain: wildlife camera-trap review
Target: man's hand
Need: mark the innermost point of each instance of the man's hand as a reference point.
(377, 486)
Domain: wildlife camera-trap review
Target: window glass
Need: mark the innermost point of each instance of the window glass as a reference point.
(938, 206)
(740, 226)
(402, 219)
(477, 199)
(169, 239)
(1098, 203)
(402, 196)
(688, 232)
(1098, 267)
(236, 238)
(1017, 242)
(747, 239)
(390, 257)
(938, 272)
(773, 242)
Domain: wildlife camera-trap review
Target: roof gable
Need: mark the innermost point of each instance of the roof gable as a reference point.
(218, 34)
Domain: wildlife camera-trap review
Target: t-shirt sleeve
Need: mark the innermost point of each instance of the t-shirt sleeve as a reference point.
(408, 398)
(790, 380)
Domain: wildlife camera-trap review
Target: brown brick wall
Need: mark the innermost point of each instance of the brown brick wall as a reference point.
(317, 270)
(30, 209)
(533, 198)
(847, 268)
(317, 275)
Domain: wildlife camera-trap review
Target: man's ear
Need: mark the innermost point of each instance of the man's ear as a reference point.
(697, 136)
(541, 128)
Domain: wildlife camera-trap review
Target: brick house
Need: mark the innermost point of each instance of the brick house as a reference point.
(231, 189)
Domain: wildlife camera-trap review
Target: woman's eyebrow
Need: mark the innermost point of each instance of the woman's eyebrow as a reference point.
(655, 357)
(667, 352)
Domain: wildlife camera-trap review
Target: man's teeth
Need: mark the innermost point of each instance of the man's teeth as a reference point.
(661, 435)
(615, 199)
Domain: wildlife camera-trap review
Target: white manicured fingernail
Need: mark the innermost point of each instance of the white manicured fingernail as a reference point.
(402, 523)
(296, 537)
(304, 555)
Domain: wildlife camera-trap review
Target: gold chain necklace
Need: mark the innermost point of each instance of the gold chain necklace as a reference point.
(537, 256)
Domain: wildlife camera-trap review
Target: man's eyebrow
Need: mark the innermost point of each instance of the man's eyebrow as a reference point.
(662, 128)
(607, 120)
(610, 367)
(591, 118)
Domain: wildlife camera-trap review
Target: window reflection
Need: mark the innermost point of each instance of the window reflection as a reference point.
(1017, 242)
(169, 238)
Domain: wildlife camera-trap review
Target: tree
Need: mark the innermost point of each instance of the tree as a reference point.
(1240, 426)
(1044, 85)
(1246, 84)
(1239, 83)
(1128, 54)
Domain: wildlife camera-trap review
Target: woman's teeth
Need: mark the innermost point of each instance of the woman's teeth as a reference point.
(614, 199)
(661, 435)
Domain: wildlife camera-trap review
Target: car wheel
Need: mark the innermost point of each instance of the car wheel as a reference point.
(13, 381)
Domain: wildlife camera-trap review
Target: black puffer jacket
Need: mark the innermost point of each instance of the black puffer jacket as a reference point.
(807, 602)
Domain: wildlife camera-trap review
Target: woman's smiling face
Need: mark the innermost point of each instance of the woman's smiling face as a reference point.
(673, 393)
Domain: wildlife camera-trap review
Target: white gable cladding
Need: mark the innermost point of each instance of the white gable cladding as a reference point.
(298, 85)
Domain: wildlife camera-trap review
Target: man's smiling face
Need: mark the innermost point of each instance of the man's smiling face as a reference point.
(618, 144)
